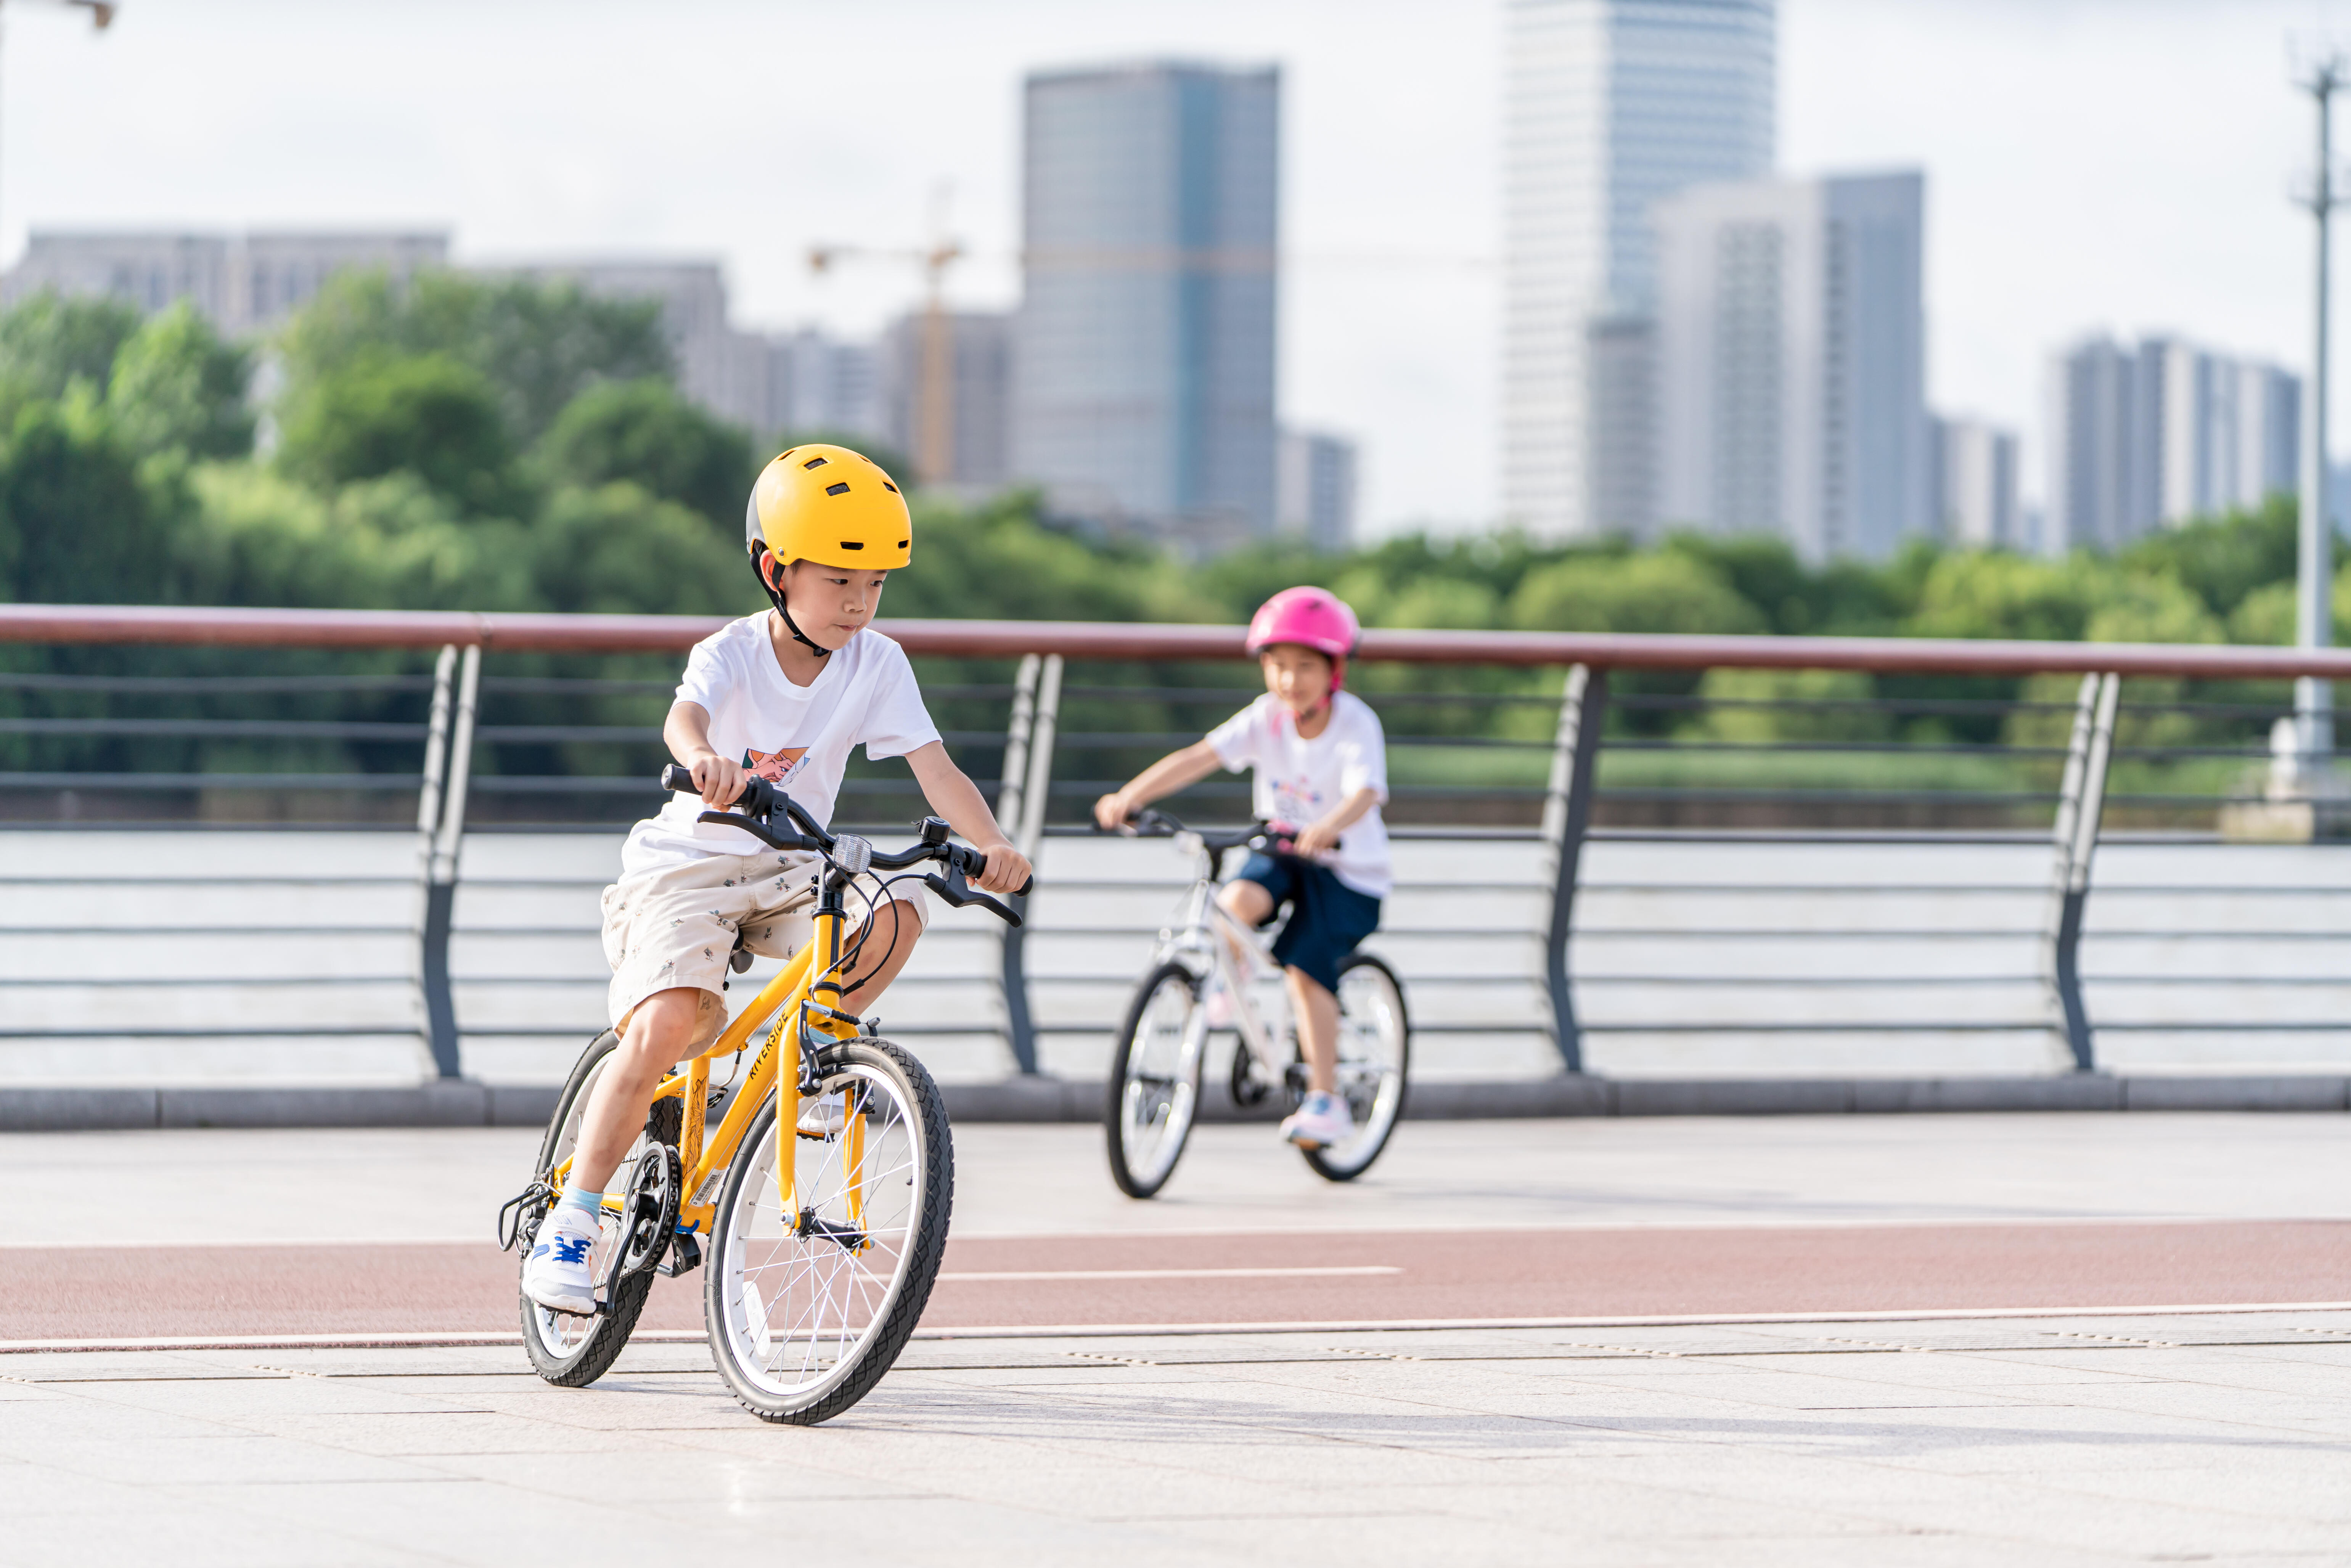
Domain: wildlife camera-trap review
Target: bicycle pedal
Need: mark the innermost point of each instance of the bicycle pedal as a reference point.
(686, 1256)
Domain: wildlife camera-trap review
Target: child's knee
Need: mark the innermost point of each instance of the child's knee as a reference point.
(667, 1022)
(1246, 901)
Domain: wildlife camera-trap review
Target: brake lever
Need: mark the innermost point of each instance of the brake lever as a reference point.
(961, 894)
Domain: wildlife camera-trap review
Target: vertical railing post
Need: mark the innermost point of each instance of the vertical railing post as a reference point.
(1028, 838)
(2081, 801)
(1567, 816)
(428, 823)
(441, 865)
(1019, 1027)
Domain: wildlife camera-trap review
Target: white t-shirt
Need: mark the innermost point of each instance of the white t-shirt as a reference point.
(1298, 781)
(798, 736)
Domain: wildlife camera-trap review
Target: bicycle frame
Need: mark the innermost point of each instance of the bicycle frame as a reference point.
(800, 1008)
(1208, 927)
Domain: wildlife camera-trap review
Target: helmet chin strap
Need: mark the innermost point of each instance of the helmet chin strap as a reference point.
(790, 625)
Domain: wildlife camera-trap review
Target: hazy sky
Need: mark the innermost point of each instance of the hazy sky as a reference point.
(2123, 163)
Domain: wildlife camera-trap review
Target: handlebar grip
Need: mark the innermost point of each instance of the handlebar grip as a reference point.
(680, 780)
(971, 862)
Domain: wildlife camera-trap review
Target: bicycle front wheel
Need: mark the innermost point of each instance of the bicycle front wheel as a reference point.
(1155, 1080)
(1375, 1053)
(810, 1303)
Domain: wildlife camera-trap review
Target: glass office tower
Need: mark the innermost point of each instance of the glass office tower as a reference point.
(1144, 358)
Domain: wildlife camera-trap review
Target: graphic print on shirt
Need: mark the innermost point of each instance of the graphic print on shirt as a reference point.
(1296, 803)
(775, 767)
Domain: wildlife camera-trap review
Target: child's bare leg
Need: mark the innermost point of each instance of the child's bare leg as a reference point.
(1317, 1012)
(659, 1032)
(887, 946)
(1252, 905)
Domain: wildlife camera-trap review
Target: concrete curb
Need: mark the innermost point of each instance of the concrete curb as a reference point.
(464, 1103)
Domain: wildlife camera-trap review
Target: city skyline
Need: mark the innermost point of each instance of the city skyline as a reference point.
(2070, 194)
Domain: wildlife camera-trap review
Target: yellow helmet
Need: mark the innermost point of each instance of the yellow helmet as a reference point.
(831, 505)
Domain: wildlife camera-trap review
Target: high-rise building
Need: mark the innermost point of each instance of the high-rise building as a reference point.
(1611, 106)
(978, 351)
(1975, 485)
(241, 283)
(1317, 489)
(817, 383)
(1144, 351)
(1791, 362)
(2153, 435)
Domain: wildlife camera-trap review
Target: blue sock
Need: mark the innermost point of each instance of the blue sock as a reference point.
(591, 1203)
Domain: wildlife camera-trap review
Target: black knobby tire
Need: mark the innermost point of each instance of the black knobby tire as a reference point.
(877, 1347)
(1114, 1129)
(1358, 1157)
(578, 1365)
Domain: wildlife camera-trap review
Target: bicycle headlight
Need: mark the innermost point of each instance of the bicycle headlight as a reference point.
(852, 855)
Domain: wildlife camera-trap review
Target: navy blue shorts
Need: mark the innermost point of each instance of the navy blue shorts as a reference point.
(1328, 920)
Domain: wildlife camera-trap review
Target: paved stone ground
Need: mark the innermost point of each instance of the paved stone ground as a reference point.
(2222, 1439)
(2009, 1440)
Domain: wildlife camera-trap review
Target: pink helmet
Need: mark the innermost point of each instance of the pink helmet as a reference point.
(1311, 617)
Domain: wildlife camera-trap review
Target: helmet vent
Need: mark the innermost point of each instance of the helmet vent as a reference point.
(815, 462)
(852, 544)
(889, 486)
(836, 489)
(903, 543)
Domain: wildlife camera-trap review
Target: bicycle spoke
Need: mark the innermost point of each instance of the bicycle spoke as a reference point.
(828, 1274)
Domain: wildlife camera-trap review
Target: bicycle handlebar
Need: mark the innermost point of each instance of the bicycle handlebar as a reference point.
(751, 810)
(1153, 823)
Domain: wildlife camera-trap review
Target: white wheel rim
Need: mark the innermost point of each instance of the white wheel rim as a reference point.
(1371, 1061)
(1160, 1091)
(796, 1310)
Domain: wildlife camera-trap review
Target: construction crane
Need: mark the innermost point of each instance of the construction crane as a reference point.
(934, 412)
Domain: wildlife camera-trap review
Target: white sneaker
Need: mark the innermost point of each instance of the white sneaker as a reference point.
(557, 1277)
(1320, 1120)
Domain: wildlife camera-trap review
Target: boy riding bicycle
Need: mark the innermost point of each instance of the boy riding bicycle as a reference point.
(1321, 761)
(789, 693)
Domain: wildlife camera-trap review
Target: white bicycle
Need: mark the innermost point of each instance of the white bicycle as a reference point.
(1155, 1075)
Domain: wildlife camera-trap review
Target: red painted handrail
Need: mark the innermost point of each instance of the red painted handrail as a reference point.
(500, 631)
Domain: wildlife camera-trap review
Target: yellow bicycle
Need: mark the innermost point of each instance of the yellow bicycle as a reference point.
(818, 1185)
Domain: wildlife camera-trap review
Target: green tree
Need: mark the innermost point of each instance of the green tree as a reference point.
(619, 550)
(2223, 560)
(176, 386)
(426, 415)
(540, 344)
(50, 341)
(77, 526)
(1990, 594)
(1665, 592)
(391, 542)
(643, 431)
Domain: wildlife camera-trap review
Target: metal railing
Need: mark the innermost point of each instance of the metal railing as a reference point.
(1622, 772)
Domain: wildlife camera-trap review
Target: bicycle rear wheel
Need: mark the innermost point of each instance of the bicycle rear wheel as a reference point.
(1374, 1054)
(1155, 1080)
(566, 1348)
(805, 1311)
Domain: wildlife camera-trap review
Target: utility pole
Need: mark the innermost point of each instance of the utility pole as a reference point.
(2324, 73)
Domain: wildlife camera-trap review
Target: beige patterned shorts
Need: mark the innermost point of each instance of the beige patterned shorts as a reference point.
(675, 925)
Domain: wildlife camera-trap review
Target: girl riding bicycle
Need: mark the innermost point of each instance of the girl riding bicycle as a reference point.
(1321, 763)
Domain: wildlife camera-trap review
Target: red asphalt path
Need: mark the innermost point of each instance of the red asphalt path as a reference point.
(391, 1288)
